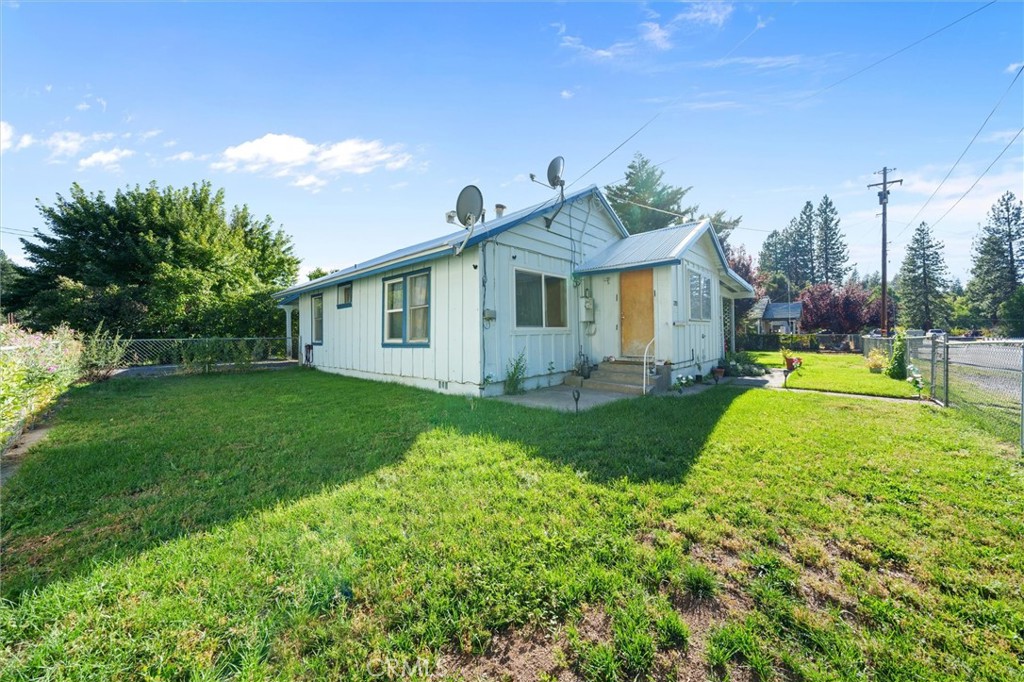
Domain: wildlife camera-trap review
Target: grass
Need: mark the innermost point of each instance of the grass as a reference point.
(838, 372)
(298, 525)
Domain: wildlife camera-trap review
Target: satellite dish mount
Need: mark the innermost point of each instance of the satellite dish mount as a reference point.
(469, 210)
(555, 169)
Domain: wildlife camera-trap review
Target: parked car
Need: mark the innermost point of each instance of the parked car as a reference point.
(915, 332)
(932, 333)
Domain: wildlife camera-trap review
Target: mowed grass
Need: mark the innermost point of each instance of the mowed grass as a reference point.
(298, 525)
(838, 372)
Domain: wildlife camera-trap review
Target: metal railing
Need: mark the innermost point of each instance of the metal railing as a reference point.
(646, 349)
(983, 379)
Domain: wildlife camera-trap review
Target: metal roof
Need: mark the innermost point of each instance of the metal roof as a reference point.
(659, 247)
(443, 246)
(783, 311)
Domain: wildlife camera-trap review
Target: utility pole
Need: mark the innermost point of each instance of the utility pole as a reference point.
(883, 199)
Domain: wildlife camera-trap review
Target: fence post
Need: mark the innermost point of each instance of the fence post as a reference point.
(932, 373)
(945, 370)
(1022, 397)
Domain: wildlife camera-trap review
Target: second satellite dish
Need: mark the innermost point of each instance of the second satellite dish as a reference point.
(555, 169)
(469, 206)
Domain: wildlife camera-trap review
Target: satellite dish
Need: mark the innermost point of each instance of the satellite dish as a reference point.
(469, 206)
(555, 169)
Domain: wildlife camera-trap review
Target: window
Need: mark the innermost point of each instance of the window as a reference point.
(700, 296)
(540, 300)
(407, 310)
(318, 319)
(345, 295)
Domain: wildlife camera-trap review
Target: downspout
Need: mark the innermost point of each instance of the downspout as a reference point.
(483, 323)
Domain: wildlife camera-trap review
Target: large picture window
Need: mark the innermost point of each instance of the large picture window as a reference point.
(540, 300)
(700, 296)
(318, 319)
(407, 310)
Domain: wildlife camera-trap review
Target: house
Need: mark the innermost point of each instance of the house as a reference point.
(776, 318)
(561, 283)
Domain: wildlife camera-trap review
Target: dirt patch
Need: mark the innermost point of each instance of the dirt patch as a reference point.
(513, 656)
(12, 459)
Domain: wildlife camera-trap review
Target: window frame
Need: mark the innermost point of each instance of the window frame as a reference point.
(544, 276)
(703, 301)
(403, 280)
(312, 319)
(344, 286)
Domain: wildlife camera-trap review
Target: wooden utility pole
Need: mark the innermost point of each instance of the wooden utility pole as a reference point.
(883, 199)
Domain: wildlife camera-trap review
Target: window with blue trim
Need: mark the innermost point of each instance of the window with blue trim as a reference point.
(318, 319)
(345, 295)
(407, 309)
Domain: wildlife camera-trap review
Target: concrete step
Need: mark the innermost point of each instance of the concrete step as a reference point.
(620, 372)
(630, 389)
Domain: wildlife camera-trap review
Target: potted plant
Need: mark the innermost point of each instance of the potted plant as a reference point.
(877, 360)
(718, 371)
(792, 362)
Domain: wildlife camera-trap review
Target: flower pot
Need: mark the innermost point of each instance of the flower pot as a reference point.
(790, 363)
(719, 372)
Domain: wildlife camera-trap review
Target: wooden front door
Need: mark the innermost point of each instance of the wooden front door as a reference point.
(636, 307)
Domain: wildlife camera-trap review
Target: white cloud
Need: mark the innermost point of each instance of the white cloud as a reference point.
(1000, 136)
(183, 156)
(170, 143)
(1012, 68)
(780, 62)
(25, 141)
(710, 13)
(149, 134)
(270, 150)
(282, 155)
(657, 35)
(102, 102)
(310, 182)
(83, 106)
(567, 94)
(65, 143)
(108, 160)
(48, 87)
(605, 54)
(6, 136)
(559, 27)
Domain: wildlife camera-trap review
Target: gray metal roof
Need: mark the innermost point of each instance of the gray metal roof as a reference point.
(644, 250)
(784, 311)
(442, 246)
(661, 247)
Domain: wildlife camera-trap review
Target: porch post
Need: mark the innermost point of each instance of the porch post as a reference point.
(288, 331)
(732, 324)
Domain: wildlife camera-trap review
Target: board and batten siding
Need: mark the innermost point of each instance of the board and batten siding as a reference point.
(352, 343)
(698, 344)
(579, 230)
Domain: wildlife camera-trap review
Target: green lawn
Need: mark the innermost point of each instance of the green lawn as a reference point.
(298, 525)
(839, 372)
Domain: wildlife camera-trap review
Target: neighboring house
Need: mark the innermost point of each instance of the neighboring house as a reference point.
(776, 318)
(558, 282)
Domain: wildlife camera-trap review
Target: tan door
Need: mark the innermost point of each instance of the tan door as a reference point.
(636, 306)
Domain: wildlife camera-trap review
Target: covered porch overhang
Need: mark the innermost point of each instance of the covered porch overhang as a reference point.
(290, 305)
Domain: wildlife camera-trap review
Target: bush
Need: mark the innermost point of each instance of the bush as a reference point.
(102, 354)
(897, 368)
(877, 359)
(36, 369)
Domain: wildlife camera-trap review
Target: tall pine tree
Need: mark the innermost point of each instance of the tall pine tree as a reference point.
(831, 254)
(801, 244)
(996, 268)
(923, 282)
(643, 185)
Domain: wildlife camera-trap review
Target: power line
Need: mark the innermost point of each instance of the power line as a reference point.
(605, 158)
(897, 52)
(983, 173)
(687, 217)
(960, 158)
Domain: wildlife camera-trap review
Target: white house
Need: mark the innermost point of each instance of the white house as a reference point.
(563, 283)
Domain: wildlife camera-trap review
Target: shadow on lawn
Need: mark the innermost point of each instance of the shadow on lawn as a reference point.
(144, 461)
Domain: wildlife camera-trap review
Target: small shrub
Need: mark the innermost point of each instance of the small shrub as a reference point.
(877, 359)
(737, 642)
(102, 354)
(598, 663)
(516, 375)
(897, 368)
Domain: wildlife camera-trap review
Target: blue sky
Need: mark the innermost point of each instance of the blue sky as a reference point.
(355, 125)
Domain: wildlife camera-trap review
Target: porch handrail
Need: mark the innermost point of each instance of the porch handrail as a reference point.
(647, 348)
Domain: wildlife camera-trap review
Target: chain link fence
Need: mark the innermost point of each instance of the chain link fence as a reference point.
(239, 351)
(983, 379)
